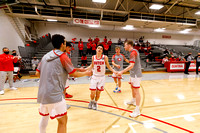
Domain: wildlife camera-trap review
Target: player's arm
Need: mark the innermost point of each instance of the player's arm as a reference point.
(125, 59)
(129, 67)
(68, 66)
(91, 65)
(38, 70)
(113, 63)
(108, 65)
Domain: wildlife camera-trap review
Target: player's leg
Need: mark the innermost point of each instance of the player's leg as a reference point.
(92, 97)
(2, 81)
(10, 80)
(94, 106)
(135, 92)
(62, 124)
(43, 124)
(119, 83)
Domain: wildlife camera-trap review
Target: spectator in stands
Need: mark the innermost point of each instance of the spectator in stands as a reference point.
(109, 43)
(136, 41)
(165, 59)
(172, 58)
(93, 45)
(141, 39)
(197, 62)
(90, 39)
(17, 64)
(187, 59)
(6, 68)
(84, 60)
(105, 39)
(106, 47)
(166, 52)
(80, 46)
(88, 47)
(120, 41)
(150, 57)
(34, 63)
(170, 55)
(96, 40)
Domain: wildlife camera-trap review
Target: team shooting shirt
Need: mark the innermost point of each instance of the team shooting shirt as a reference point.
(54, 69)
(99, 66)
(118, 59)
(135, 58)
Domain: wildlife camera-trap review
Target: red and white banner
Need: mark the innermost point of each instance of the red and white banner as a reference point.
(180, 66)
(177, 66)
(86, 21)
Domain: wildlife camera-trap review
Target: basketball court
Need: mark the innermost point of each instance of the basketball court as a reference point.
(170, 104)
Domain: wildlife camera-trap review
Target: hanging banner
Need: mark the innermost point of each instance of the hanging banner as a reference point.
(85, 21)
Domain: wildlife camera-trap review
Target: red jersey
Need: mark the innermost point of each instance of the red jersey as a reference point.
(93, 45)
(6, 62)
(109, 43)
(106, 47)
(96, 40)
(88, 45)
(89, 40)
(105, 40)
(80, 45)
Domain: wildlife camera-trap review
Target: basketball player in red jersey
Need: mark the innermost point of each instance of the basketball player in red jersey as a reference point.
(99, 63)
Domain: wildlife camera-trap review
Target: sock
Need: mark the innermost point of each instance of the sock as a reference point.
(134, 99)
(137, 108)
(43, 124)
(95, 101)
(118, 88)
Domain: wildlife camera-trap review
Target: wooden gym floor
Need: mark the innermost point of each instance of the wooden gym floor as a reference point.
(168, 105)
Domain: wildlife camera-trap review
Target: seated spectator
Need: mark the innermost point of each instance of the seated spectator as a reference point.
(141, 39)
(170, 55)
(84, 60)
(120, 41)
(165, 59)
(166, 52)
(172, 58)
(34, 63)
(150, 57)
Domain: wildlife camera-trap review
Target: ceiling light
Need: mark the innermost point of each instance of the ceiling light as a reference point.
(94, 26)
(159, 30)
(197, 13)
(99, 1)
(52, 20)
(128, 27)
(156, 6)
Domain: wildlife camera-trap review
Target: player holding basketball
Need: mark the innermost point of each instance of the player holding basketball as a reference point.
(117, 61)
(99, 63)
(53, 71)
(135, 76)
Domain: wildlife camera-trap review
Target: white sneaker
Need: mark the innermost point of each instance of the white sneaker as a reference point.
(94, 106)
(131, 103)
(1, 92)
(135, 113)
(13, 88)
(90, 105)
